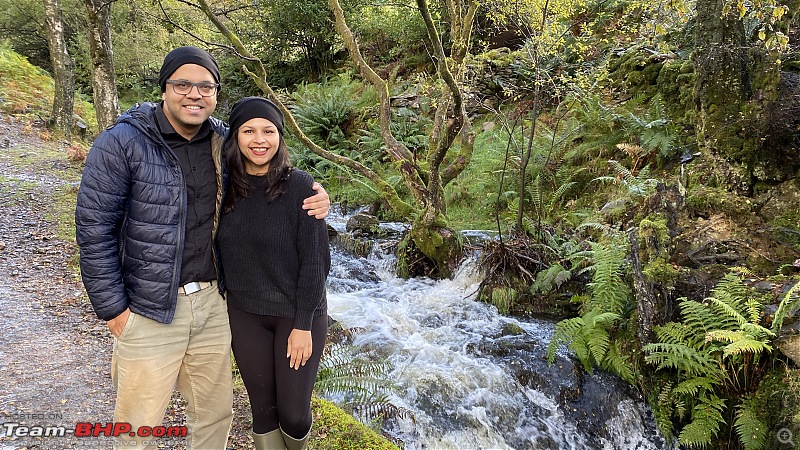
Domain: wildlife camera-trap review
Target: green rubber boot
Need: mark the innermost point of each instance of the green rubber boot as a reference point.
(296, 444)
(269, 441)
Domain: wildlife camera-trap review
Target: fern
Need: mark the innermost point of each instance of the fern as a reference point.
(608, 287)
(695, 386)
(363, 383)
(789, 305)
(705, 424)
(638, 185)
(715, 354)
(590, 337)
(616, 361)
(688, 360)
(752, 431)
(550, 279)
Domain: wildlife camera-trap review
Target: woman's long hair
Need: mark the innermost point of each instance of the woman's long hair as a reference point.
(280, 167)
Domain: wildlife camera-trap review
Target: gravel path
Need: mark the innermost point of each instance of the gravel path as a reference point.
(54, 357)
(54, 353)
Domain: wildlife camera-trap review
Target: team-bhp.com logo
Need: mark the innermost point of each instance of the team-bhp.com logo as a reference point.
(96, 429)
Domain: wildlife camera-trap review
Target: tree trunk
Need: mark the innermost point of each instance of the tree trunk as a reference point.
(104, 77)
(63, 69)
(735, 84)
(444, 161)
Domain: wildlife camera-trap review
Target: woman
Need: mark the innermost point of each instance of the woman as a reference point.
(275, 261)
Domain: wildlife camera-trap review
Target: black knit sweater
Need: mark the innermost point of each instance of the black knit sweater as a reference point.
(275, 257)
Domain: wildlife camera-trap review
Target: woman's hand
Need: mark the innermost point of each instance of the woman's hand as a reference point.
(299, 348)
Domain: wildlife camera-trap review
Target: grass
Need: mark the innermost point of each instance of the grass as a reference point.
(27, 91)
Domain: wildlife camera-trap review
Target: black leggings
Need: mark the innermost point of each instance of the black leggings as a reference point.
(279, 395)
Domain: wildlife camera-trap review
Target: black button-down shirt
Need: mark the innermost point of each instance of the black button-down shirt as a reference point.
(199, 173)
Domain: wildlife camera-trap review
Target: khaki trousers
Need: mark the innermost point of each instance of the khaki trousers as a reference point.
(193, 352)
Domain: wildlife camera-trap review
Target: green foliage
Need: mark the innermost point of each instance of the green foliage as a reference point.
(636, 185)
(589, 337)
(789, 305)
(362, 382)
(750, 427)
(705, 424)
(326, 112)
(476, 194)
(503, 299)
(20, 26)
(28, 90)
(716, 353)
(334, 429)
(391, 32)
(551, 279)
(25, 87)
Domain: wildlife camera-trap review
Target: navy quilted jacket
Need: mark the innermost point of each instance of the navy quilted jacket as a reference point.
(131, 215)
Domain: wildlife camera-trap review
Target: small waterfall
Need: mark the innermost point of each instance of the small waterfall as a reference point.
(470, 382)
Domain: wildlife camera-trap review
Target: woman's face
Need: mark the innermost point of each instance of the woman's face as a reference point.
(258, 141)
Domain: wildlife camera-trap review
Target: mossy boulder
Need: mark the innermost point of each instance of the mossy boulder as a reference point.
(334, 429)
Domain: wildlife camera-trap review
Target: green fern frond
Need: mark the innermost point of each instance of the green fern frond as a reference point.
(757, 331)
(618, 362)
(362, 383)
(701, 319)
(563, 333)
(684, 358)
(694, 386)
(726, 304)
(560, 192)
(789, 305)
(622, 171)
(383, 408)
(751, 429)
(536, 193)
(352, 386)
(597, 341)
(705, 424)
(550, 279)
(673, 333)
(753, 346)
(609, 290)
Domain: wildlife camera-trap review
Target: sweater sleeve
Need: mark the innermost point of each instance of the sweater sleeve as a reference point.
(99, 212)
(314, 258)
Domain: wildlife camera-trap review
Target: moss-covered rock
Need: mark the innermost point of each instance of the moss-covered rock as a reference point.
(334, 429)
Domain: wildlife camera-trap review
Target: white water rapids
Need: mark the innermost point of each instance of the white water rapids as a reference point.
(433, 333)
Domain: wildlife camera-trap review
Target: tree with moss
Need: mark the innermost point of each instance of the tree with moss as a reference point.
(451, 137)
(63, 68)
(737, 63)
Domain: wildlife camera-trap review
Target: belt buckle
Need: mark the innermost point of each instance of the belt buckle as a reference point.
(191, 288)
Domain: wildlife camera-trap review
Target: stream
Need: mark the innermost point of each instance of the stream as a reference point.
(470, 383)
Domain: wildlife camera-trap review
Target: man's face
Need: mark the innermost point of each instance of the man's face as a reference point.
(187, 112)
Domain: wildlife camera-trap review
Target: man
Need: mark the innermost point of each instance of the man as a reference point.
(147, 211)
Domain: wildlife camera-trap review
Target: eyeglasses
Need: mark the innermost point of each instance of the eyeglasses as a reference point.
(183, 87)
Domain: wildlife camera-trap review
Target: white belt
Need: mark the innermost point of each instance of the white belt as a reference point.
(194, 286)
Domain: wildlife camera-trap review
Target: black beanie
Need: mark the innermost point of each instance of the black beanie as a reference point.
(186, 55)
(252, 107)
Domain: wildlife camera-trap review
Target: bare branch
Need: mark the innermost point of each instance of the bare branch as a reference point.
(408, 167)
(260, 77)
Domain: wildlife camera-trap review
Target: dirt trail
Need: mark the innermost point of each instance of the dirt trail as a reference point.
(54, 356)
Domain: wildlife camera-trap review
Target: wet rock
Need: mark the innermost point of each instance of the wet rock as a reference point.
(364, 224)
